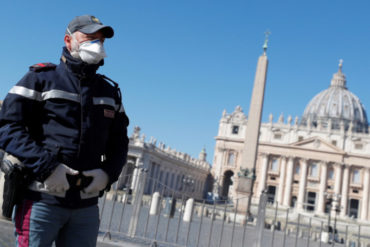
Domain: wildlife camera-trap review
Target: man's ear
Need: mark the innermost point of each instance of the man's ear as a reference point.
(68, 41)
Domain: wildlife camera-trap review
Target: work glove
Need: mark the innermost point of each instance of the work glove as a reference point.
(57, 181)
(99, 180)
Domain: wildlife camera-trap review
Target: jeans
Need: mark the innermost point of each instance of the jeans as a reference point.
(39, 225)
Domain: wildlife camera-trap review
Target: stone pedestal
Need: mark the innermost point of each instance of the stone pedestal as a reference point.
(243, 192)
(325, 237)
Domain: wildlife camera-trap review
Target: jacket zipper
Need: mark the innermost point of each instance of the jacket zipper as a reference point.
(81, 118)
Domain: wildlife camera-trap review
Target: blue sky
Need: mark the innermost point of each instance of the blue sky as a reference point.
(180, 63)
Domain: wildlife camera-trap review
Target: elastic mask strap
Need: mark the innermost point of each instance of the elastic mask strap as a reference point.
(73, 37)
(69, 32)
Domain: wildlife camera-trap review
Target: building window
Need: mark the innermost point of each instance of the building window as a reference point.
(353, 208)
(297, 169)
(300, 138)
(235, 129)
(313, 170)
(334, 142)
(293, 201)
(231, 159)
(178, 182)
(331, 173)
(271, 191)
(181, 182)
(358, 146)
(160, 182)
(277, 136)
(166, 179)
(311, 201)
(356, 176)
(274, 165)
(172, 180)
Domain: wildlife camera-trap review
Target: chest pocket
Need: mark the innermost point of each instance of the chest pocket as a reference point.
(104, 112)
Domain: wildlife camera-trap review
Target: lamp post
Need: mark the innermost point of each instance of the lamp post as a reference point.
(336, 211)
(188, 182)
(332, 200)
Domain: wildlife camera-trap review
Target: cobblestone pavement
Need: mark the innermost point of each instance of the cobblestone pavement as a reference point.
(7, 238)
(6, 234)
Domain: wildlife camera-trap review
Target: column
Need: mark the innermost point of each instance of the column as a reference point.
(338, 178)
(302, 184)
(365, 194)
(262, 181)
(221, 160)
(323, 181)
(281, 180)
(289, 180)
(337, 186)
(122, 177)
(136, 174)
(344, 198)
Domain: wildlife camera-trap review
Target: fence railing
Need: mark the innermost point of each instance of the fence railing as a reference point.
(170, 217)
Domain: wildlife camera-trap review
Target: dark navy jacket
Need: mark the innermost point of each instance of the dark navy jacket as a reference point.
(65, 114)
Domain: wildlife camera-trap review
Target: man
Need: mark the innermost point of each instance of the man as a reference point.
(66, 124)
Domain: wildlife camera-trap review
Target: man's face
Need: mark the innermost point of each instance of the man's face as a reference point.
(82, 37)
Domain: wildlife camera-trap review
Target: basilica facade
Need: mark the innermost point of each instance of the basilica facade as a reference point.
(304, 162)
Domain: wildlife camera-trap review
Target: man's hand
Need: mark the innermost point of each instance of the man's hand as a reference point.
(99, 182)
(57, 181)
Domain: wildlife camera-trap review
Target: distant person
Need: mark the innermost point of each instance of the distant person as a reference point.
(67, 125)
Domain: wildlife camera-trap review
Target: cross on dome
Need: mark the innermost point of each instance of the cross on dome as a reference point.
(340, 64)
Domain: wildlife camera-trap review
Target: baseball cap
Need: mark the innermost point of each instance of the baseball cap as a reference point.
(89, 24)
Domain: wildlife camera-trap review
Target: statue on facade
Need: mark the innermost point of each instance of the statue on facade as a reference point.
(142, 139)
(247, 173)
(296, 120)
(281, 118)
(136, 133)
(289, 119)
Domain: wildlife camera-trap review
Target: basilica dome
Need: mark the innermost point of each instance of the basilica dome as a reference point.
(336, 106)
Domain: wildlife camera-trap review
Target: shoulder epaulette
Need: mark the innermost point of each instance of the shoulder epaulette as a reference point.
(42, 67)
(110, 80)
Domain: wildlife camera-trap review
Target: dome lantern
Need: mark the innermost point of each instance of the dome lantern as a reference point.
(339, 79)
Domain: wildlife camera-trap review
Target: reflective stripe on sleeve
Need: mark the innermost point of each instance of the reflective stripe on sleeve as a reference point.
(55, 94)
(104, 101)
(25, 92)
(107, 101)
(38, 96)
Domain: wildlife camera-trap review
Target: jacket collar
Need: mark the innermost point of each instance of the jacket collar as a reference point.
(77, 66)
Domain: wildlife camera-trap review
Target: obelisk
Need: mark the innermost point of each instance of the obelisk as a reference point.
(246, 176)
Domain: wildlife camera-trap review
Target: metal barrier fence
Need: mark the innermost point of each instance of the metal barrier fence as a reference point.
(162, 216)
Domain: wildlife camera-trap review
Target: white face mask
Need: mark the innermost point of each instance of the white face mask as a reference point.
(91, 52)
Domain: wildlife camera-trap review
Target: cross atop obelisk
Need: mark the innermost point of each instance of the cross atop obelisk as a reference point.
(267, 33)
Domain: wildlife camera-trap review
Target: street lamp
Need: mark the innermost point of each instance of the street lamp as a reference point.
(188, 181)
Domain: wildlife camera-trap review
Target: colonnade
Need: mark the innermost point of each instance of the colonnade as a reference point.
(174, 179)
(340, 192)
